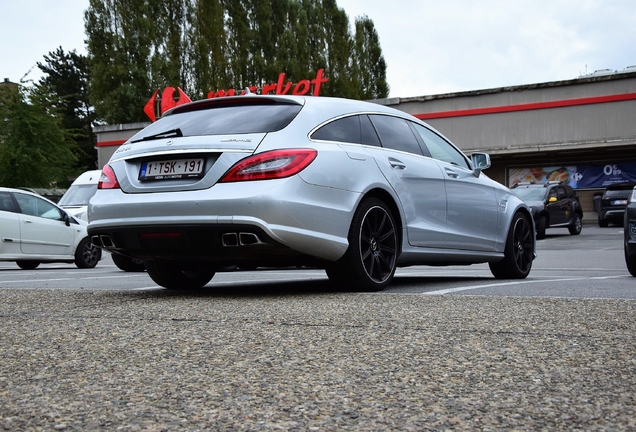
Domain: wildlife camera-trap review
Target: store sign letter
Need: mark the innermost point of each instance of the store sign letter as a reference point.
(280, 87)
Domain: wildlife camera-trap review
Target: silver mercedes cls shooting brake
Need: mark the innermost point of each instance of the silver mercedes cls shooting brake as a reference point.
(352, 187)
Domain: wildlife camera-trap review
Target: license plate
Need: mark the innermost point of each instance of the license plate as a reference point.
(619, 202)
(171, 169)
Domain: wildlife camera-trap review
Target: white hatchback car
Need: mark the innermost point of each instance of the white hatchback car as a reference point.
(33, 230)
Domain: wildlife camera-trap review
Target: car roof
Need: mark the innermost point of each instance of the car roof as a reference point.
(320, 108)
(537, 185)
(88, 177)
(26, 192)
(621, 186)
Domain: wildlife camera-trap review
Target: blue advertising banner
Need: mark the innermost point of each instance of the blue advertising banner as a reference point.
(591, 176)
(579, 176)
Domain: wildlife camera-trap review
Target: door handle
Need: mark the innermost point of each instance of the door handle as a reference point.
(451, 173)
(27, 221)
(397, 163)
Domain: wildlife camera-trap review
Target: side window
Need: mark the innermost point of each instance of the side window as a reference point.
(395, 133)
(344, 130)
(368, 135)
(33, 206)
(6, 203)
(561, 193)
(440, 148)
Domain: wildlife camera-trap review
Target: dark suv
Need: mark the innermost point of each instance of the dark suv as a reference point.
(613, 203)
(553, 204)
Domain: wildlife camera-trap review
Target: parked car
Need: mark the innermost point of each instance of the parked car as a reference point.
(351, 187)
(553, 205)
(75, 202)
(613, 202)
(629, 232)
(75, 199)
(34, 230)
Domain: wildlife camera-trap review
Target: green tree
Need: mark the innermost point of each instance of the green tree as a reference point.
(369, 61)
(121, 39)
(35, 148)
(138, 46)
(208, 48)
(65, 79)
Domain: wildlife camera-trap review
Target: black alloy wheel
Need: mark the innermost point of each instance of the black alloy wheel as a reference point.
(576, 226)
(174, 276)
(371, 259)
(87, 255)
(519, 251)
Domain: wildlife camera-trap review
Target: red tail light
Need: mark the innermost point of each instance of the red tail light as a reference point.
(108, 179)
(270, 165)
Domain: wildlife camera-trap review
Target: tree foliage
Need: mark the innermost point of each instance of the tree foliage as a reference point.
(35, 149)
(138, 46)
(65, 80)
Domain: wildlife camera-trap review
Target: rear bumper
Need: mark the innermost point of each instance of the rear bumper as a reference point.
(612, 215)
(274, 220)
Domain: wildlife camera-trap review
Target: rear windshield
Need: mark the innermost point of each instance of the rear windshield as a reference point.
(78, 195)
(224, 120)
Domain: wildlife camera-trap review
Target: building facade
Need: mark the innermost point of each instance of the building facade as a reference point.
(582, 131)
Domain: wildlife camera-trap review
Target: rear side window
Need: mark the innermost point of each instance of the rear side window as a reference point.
(353, 129)
(395, 133)
(6, 203)
(344, 130)
(225, 120)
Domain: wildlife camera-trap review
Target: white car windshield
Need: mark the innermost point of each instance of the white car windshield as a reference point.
(78, 195)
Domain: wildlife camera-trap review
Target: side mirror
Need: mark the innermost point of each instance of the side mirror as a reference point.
(66, 218)
(481, 161)
(552, 199)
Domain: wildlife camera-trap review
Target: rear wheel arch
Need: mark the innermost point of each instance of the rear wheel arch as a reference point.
(386, 197)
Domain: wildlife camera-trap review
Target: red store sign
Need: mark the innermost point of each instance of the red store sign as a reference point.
(281, 87)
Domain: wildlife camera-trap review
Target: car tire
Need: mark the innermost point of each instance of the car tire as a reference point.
(170, 275)
(519, 250)
(87, 255)
(128, 264)
(603, 223)
(542, 223)
(630, 261)
(371, 258)
(576, 226)
(27, 265)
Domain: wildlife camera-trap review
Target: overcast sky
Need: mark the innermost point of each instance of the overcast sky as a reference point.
(430, 46)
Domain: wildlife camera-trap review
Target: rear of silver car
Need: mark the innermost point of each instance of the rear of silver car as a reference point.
(241, 183)
(173, 202)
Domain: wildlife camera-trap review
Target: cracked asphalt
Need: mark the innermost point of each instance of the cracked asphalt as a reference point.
(311, 360)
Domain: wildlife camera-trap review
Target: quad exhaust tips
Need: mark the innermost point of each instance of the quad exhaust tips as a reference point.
(240, 239)
(102, 241)
(227, 240)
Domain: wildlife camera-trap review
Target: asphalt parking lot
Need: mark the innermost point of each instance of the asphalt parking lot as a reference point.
(443, 349)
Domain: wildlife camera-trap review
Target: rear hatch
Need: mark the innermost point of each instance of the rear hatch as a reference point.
(193, 145)
(615, 196)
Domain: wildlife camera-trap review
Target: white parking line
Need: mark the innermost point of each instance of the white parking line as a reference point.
(67, 279)
(520, 282)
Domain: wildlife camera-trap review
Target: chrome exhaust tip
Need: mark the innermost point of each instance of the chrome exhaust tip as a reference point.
(249, 239)
(229, 240)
